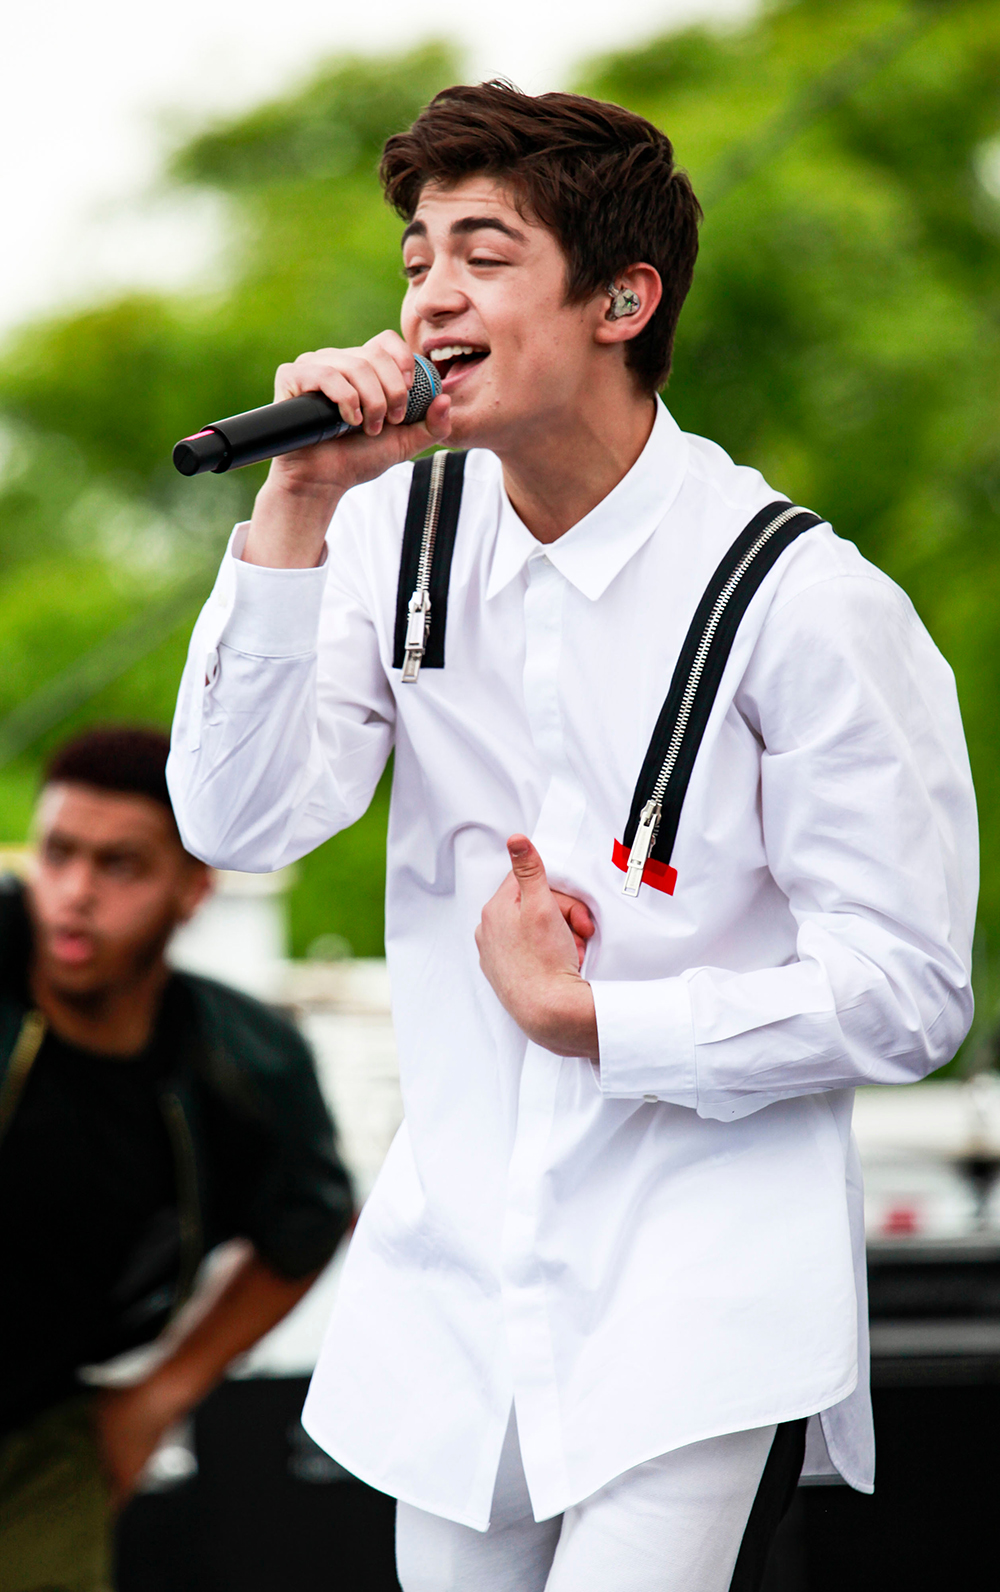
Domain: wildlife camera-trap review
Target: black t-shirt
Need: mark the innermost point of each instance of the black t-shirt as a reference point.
(89, 1246)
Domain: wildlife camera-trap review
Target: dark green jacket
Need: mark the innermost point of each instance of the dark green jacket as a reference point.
(253, 1142)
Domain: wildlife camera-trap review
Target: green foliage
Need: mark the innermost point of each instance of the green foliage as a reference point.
(333, 128)
(97, 524)
(841, 336)
(313, 262)
(340, 888)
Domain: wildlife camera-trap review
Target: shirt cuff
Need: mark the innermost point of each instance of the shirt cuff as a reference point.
(646, 1038)
(272, 613)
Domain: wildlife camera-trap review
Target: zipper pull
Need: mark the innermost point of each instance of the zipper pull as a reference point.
(642, 845)
(417, 626)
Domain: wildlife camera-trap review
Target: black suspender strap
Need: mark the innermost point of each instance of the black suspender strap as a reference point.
(425, 565)
(669, 762)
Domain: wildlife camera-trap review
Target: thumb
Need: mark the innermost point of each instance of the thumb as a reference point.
(526, 865)
(434, 428)
(437, 421)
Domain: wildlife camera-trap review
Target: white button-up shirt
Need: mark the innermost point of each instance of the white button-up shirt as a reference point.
(668, 1246)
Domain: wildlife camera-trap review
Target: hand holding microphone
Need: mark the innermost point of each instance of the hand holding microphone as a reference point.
(389, 400)
(289, 425)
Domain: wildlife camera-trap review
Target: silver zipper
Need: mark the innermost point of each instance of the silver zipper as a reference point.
(652, 812)
(418, 623)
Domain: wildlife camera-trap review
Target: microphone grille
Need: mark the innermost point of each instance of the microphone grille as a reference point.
(426, 386)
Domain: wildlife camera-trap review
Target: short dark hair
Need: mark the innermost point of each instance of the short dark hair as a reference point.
(125, 758)
(602, 179)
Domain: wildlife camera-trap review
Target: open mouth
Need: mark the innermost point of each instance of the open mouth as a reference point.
(71, 947)
(456, 359)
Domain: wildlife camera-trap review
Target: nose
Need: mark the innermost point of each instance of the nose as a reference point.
(77, 883)
(438, 294)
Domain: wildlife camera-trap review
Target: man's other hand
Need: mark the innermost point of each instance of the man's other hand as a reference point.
(531, 943)
(130, 1423)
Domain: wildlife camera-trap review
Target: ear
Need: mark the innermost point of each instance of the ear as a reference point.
(644, 282)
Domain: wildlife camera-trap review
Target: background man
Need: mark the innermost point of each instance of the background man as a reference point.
(615, 1258)
(145, 1116)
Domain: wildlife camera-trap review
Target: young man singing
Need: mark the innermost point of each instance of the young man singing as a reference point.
(615, 1259)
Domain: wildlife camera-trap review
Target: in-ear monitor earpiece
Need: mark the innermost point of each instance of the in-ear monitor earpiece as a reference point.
(623, 302)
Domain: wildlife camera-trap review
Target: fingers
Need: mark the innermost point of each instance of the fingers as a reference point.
(370, 385)
(389, 347)
(394, 386)
(318, 372)
(396, 444)
(576, 913)
(578, 918)
(393, 344)
(349, 379)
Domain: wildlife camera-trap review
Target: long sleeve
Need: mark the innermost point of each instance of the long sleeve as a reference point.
(869, 829)
(284, 718)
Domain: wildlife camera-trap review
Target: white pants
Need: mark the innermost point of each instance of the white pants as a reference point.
(674, 1524)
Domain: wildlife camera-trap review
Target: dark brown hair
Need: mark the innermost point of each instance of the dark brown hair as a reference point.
(124, 758)
(602, 179)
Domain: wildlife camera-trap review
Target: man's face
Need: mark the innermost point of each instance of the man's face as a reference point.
(484, 279)
(110, 883)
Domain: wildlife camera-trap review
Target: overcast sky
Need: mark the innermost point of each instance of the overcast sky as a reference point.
(92, 94)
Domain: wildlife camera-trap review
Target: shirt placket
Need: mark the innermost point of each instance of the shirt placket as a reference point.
(527, 1315)
(562, 810)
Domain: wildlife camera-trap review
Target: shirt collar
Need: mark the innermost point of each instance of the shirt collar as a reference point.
(594, 550)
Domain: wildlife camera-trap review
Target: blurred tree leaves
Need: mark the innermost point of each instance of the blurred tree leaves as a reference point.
(93, 403)
(313, 261)
(334, 128)
(842, 336)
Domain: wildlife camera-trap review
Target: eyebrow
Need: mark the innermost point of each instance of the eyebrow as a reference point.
(467, 224)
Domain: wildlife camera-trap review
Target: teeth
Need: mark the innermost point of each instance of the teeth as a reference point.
(440, 355)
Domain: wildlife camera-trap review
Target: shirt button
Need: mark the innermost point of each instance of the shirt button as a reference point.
(651, 1100)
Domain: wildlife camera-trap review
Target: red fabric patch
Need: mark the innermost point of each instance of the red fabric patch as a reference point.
(659, 875)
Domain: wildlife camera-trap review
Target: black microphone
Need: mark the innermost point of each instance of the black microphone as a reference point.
(283, 427)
